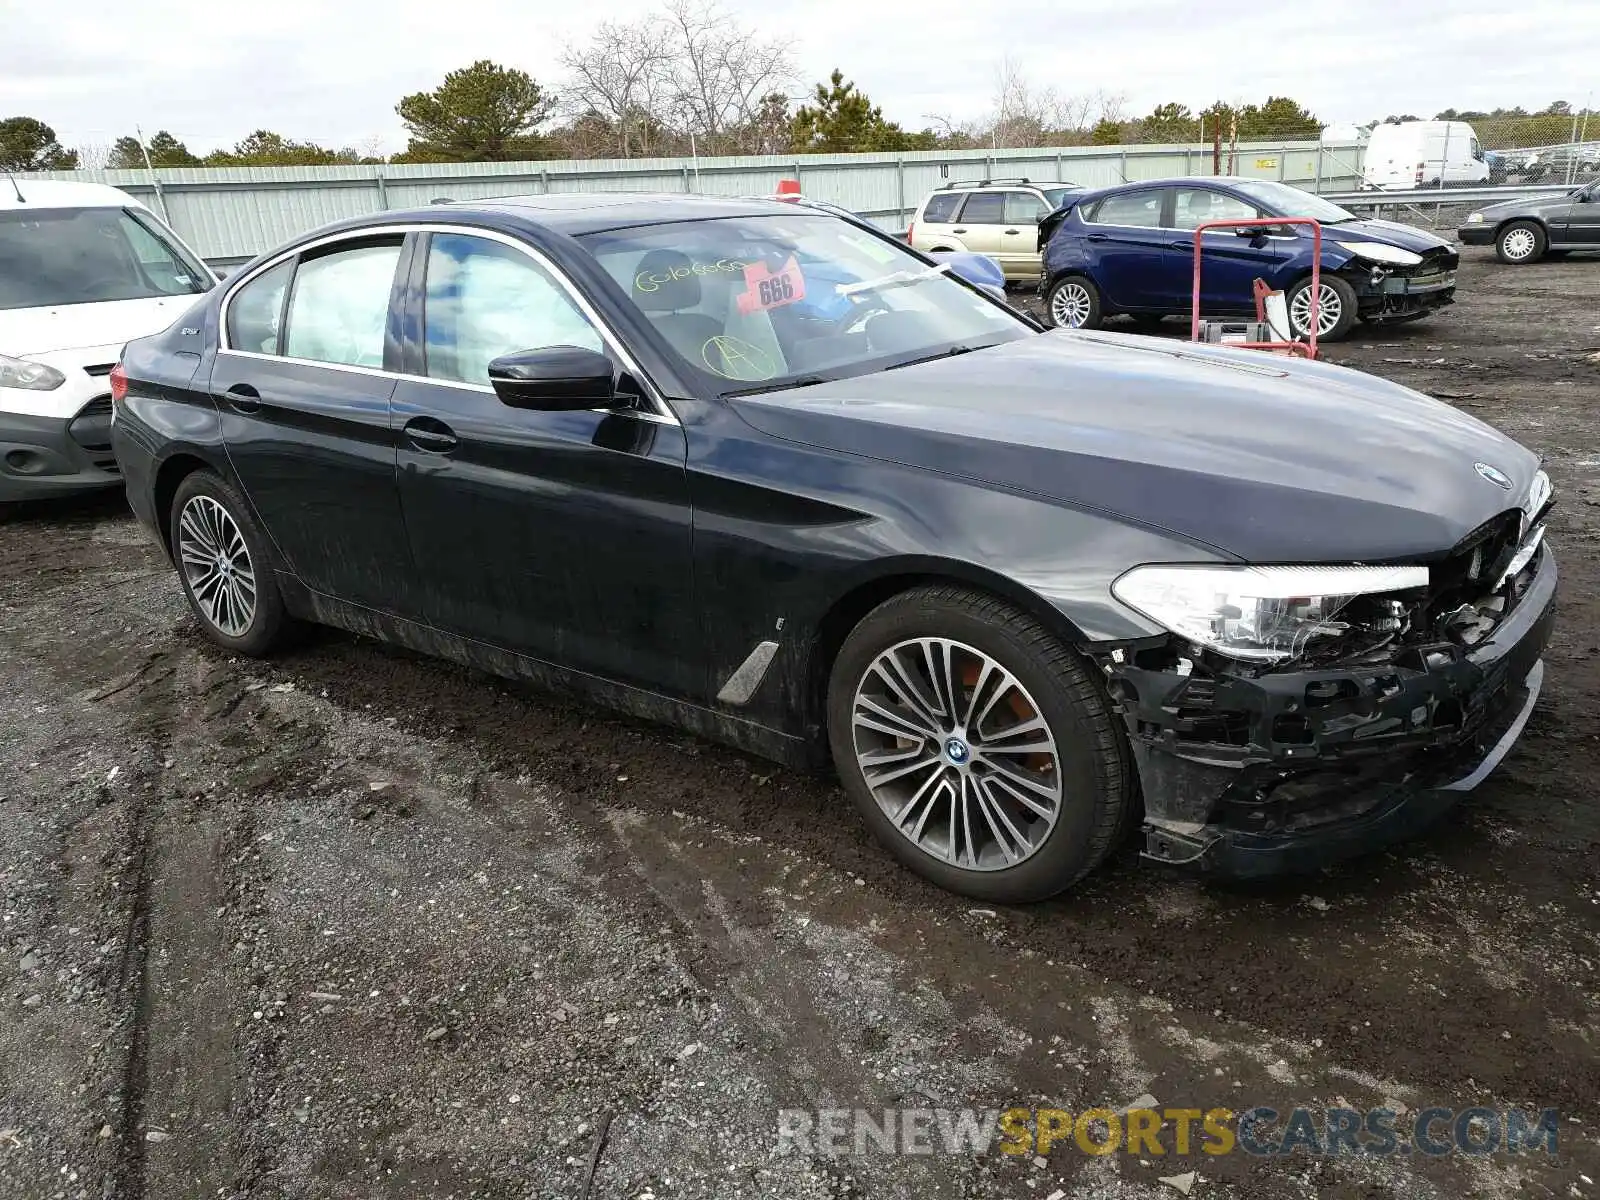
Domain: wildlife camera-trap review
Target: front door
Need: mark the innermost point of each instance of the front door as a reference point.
(1230, 264)
(303, 391)
(1582, 220)
(564, 536)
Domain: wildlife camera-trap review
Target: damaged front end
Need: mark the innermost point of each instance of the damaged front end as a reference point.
(1388, 291)
(1328, 726)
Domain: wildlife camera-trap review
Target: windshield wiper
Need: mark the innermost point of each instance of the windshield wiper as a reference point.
(938, 354)
(896, 279)
(780, 386)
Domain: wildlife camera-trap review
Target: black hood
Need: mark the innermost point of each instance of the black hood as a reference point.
(1265, 458)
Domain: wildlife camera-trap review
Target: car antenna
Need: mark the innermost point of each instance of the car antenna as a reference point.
(21, 199)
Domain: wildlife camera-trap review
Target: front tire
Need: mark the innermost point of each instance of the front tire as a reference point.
(1520, 243)
(980, 750)
(1337, 313)
(226, 567)
(1073, 302)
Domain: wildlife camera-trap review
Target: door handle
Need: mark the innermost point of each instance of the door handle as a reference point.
(1182, 245)
(1095, 237)
(958, 231)
(429, 435)
(243, 397)
(1013, 231)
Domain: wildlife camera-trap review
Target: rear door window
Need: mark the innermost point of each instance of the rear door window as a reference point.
(941, 208)
(339, 309)
(1138, 210)
(985, 208)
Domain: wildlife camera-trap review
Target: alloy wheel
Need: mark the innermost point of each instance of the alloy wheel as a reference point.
(957, 754)
(216, 563)
(1329, 310)
(1518, 244)
(1070, 305)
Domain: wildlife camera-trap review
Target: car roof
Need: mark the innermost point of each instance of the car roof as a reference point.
(59, 193)
(575, 213)
(1133, 185)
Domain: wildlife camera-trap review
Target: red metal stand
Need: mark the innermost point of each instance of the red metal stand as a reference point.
(1307, 348)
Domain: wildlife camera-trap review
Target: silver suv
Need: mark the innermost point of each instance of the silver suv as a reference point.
(996, 217)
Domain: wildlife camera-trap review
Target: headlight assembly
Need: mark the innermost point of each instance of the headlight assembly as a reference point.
(1393, 256)
(29, 376)
(1475, 219)
(1259, 614)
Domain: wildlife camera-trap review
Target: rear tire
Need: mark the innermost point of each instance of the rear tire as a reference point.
(1073, 302)
(1339, 309)
(1006, 777)
(1521, 243)
(225, 564)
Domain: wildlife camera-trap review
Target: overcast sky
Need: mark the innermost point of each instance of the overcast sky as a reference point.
(213, 71)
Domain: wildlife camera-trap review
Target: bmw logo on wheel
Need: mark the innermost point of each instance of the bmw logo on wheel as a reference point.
(1493, 474)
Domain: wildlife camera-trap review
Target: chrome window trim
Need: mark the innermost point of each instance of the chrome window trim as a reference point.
(661, 411)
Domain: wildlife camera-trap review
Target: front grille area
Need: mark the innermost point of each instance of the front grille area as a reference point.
(99, 371)
(100, 406)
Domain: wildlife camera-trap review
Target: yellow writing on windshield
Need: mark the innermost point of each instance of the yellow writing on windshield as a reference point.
(654, 281)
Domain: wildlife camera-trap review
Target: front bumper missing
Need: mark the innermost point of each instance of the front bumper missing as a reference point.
(1295, 770)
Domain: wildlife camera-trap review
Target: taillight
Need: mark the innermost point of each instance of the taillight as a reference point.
(911, 232)
(119, 384)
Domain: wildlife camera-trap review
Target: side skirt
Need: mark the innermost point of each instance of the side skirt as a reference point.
(560, 681)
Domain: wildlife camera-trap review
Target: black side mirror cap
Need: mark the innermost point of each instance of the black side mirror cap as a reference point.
(555, 379)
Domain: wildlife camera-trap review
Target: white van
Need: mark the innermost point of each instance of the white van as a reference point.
(84, 268)
(1419, 154)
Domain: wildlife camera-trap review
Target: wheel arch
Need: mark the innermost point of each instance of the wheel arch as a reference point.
(892, 578)
(174, 469)
(1505, 223)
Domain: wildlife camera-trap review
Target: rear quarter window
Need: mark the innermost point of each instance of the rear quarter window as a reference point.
(941, 208)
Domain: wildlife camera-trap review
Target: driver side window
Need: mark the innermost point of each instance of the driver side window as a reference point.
(485, 299)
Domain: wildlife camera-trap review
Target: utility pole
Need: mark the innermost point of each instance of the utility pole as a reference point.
(161, 200)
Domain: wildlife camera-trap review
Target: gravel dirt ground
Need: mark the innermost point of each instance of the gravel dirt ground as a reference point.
(351, 923)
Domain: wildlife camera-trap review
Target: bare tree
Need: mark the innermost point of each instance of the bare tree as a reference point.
(1027, 113)
(721, 74)
(93, 156)
(621, 76)
(690, 71)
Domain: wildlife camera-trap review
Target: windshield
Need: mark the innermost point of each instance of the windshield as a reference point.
(783, 300)
(54, 256)
(1281, 200)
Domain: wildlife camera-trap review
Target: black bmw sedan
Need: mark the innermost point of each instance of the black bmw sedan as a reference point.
(1029, 590)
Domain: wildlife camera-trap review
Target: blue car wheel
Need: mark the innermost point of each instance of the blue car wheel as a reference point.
(1073, 303)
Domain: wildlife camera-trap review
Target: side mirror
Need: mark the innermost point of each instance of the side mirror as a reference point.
(555, 379)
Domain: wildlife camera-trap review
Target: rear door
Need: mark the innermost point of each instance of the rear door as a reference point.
(1128, 246)
(564, 536)
(982, 224)
(302, 381)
